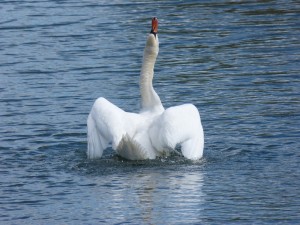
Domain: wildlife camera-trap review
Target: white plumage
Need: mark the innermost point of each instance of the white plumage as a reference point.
(152, 132)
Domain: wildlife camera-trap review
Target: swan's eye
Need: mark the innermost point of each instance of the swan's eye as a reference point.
(154, 33)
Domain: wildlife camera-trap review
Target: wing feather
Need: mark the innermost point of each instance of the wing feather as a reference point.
(179, 125)
(105, 125)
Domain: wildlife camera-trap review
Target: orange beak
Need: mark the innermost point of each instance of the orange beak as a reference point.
(154, 25)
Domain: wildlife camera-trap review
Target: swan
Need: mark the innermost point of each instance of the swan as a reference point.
(152, 132)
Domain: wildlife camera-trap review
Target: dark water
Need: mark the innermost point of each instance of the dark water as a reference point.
(237, 61)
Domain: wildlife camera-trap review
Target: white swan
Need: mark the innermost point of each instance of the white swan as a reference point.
(152, 132)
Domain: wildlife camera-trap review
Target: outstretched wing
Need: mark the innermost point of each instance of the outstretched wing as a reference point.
(108, 123)
(179, 125)
(105, 125)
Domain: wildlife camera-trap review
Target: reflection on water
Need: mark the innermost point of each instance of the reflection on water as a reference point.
(175, 197)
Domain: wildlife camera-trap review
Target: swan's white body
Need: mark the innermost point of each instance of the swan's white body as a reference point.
(152, 132)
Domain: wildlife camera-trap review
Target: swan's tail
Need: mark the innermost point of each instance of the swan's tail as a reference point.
(130, 149)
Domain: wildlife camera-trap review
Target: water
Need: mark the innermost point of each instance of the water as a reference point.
(237, 61)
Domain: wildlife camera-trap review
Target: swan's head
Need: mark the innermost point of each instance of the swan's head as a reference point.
(152, 45)
(154, 27)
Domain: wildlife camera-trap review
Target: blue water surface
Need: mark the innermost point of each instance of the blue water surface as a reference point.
(237, 61)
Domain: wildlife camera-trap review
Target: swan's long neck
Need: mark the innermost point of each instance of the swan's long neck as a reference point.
(150, 99)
